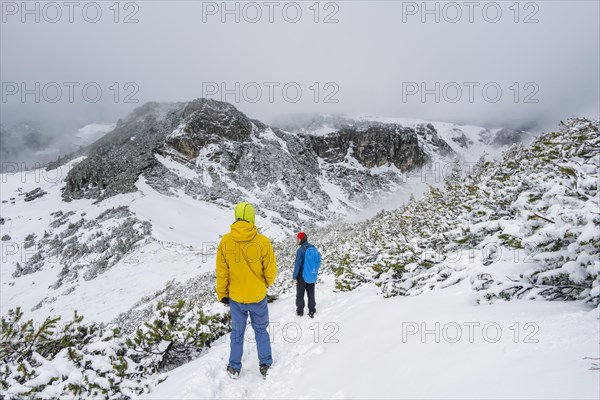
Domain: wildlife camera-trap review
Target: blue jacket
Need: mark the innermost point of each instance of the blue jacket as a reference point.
(300, 259)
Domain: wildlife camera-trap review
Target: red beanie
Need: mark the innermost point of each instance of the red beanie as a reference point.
(301, 235)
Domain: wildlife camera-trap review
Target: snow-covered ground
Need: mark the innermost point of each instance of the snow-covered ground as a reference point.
(437, 345)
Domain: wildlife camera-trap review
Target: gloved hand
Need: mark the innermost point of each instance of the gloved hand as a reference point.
(225, 300)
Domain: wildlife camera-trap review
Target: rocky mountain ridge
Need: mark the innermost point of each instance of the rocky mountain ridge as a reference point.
(228, 157)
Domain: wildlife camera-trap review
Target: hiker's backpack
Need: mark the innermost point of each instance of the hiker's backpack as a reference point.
(312, 262)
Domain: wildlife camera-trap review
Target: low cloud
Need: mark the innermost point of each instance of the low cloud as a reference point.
(525, 65)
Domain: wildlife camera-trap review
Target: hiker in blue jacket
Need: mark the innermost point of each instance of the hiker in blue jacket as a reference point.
(301, 285)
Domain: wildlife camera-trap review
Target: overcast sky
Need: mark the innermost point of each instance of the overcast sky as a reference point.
(387, 58)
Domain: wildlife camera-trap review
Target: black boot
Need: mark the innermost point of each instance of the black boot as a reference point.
(263, 370)
(233, 373)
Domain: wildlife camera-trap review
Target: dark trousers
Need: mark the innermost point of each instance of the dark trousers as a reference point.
(309, 288)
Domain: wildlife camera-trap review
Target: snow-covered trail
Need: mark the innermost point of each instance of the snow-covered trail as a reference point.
(360, 345)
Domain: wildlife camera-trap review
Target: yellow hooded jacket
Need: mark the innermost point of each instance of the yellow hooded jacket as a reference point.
(245, 264)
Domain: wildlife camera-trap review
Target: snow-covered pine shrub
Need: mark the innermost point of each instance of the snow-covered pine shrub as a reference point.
(49, 360)
(175, 335)
(560, 216)
(78, 360)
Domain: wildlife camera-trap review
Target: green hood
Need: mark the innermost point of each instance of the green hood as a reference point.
(242, 231)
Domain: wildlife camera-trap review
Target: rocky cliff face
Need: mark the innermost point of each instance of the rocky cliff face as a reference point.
(205, 122)
(469, 142)
(378, 144)
(213, 152)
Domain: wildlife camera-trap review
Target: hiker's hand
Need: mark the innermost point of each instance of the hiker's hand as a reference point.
(225, 300)
(295, 281)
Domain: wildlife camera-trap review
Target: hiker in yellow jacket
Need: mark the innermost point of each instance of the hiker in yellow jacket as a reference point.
(246, 267)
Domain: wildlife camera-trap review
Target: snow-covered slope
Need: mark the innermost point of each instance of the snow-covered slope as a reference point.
(439, 345)
(180, 246)
(525, 229)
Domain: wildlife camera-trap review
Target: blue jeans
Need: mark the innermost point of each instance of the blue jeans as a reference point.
(259, 318)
